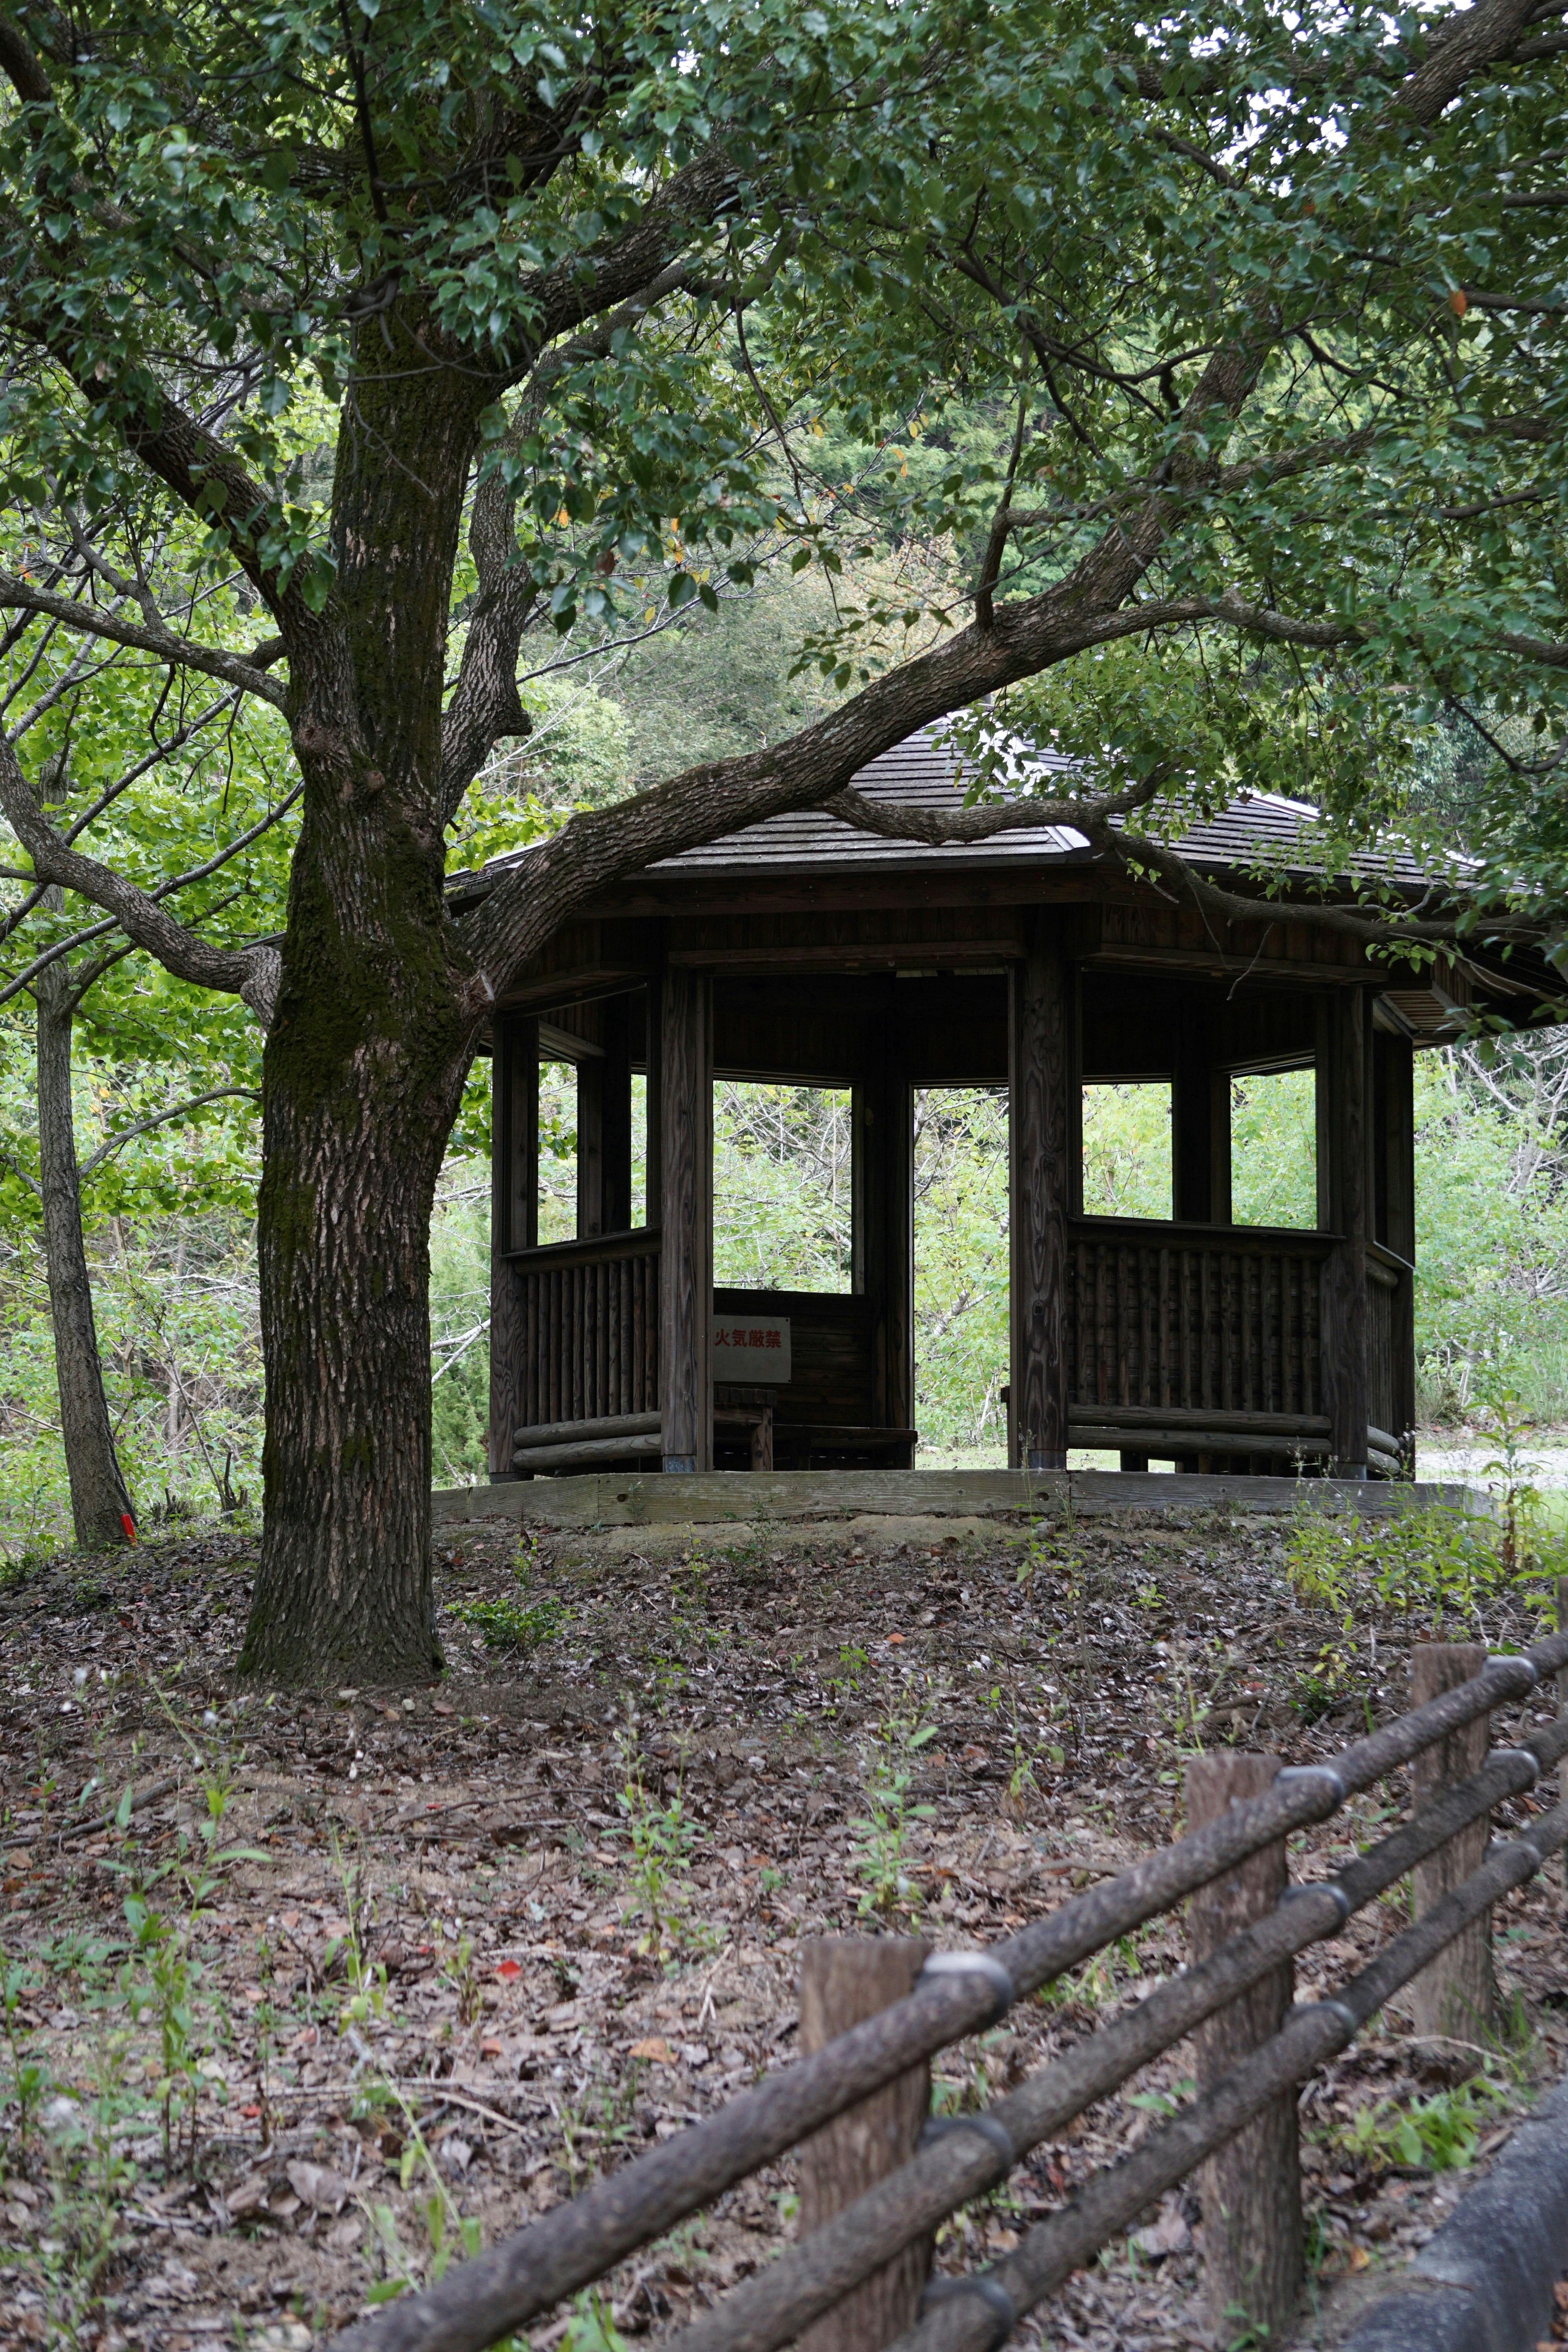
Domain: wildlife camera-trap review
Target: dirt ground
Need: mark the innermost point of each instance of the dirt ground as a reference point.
(450, 1951)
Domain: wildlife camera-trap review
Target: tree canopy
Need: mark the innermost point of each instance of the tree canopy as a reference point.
(1197, 389)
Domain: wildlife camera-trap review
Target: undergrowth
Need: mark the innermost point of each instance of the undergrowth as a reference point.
(516, 1624)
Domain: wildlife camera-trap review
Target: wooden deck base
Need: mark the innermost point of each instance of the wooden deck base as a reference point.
(626, 1498)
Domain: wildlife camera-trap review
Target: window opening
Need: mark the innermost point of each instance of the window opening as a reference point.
(960, 1276)
(557, 1152)
(1274, 1148)
(782, 1191)
(1128, 1168)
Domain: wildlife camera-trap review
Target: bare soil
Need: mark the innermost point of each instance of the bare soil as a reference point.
(536, 2023)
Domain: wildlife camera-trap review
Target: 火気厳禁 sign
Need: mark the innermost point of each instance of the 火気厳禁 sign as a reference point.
(751, 1348)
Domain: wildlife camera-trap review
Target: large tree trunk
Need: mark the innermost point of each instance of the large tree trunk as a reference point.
(345, 1587)
(101, 1507)
(365, 1059)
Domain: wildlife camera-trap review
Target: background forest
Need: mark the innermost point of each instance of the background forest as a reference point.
(167, 1136)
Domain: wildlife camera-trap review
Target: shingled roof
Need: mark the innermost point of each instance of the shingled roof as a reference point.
(920, 772)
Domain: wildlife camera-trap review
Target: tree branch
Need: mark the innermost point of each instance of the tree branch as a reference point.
(22, 68)
(250, 974)
(484, 705)
(894, 821)
(17, 594)
(124, 1135)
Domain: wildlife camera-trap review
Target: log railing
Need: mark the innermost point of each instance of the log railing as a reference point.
(1206, 1319)
(960, 1993)
(587, 1325)
(1390, 1354)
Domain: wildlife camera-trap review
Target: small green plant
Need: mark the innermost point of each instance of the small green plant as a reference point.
(447, 2232)
(1434, 1563)
(662, 1836)
(29, 2070)
(516, 1624)
(852, 1664)
(1436, 2135)
(881, 1834)
(591, 2327)
(1165, 2104)
(1321, 1687)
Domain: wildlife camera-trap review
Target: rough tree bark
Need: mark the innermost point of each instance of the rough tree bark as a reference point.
(366, 1054)
(100, 1504)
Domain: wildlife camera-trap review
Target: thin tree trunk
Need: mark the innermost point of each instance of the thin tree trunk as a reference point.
(101, 1506)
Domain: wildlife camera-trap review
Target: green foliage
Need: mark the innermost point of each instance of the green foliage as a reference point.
(888, 1768)
(782, 1187)
(1436, 2135)
(517, 1625)
(1434, 1563)
(662, 1836)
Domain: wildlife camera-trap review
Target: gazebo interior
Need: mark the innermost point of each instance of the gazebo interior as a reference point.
(802, 953)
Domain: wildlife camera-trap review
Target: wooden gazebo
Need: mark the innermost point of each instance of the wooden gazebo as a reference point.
(803, 951)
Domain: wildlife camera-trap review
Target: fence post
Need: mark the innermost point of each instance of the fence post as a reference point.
(1251, 2190)
(843, 1980)
(1454, 1995)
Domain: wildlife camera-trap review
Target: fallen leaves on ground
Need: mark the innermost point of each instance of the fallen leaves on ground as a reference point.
(432, 1970)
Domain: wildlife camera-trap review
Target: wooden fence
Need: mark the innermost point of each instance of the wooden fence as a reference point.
(587, 1324)
(1247, 1923)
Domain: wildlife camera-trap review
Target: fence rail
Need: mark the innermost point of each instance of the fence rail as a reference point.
(963, 1992)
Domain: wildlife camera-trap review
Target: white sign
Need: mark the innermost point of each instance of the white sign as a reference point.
(750, 1348)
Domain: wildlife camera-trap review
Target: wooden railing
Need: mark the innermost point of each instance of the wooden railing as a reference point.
(1203, 1317)
(1246, 2070)
(588, 1330)
(1391, 1404)
(1196, 1338)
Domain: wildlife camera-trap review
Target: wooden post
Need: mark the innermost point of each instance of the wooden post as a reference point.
(1042, 1068)
(616, 1119)
(1454, 1996)
(1200, 1119)
(653, 1097)
(514, 1220)
(1343, 1089)
(1393, 1210)
(590, 1078)
(1251, 2191)
(845, 1979)
(686, 1249)
(882, 1196)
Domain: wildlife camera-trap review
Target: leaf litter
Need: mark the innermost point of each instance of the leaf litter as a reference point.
(448, 1953)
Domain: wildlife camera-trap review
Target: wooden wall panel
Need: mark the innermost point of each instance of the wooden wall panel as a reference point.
(1192, 1320)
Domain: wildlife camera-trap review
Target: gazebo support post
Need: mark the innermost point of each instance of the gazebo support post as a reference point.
(1394, 1223)
(884, 1248)
(514, 1221)
(686, 1247)
(1200, 1122)
(1041, 1133)
(605, 1126)
(1345, 1168)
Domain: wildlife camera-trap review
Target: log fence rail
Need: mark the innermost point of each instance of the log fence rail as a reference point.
(1259, 2050)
